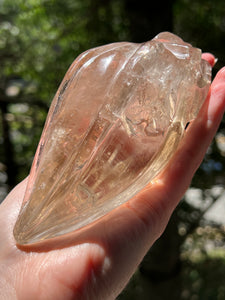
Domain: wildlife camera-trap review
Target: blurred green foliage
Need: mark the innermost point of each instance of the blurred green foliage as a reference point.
(39, 39)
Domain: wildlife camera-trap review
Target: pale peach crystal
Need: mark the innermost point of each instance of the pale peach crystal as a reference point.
(115, 121)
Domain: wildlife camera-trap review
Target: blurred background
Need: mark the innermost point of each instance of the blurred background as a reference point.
(39, 39)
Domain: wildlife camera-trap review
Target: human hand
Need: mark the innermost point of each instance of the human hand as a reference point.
(98, 262)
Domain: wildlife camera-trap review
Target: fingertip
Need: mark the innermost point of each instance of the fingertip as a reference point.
(210, 58)
(220, 76)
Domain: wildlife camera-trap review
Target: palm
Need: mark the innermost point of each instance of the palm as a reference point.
(98, 263)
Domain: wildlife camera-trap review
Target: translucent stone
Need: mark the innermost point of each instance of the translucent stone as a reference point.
(115, 121)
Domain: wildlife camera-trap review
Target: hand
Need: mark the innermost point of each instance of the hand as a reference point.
(98, 263)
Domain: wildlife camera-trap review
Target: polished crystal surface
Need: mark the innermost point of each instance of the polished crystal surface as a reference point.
(115, 121)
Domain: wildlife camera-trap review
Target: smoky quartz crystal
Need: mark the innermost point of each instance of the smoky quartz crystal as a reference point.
(114, 123)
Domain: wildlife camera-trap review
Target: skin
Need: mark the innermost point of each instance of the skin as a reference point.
(97, 262)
